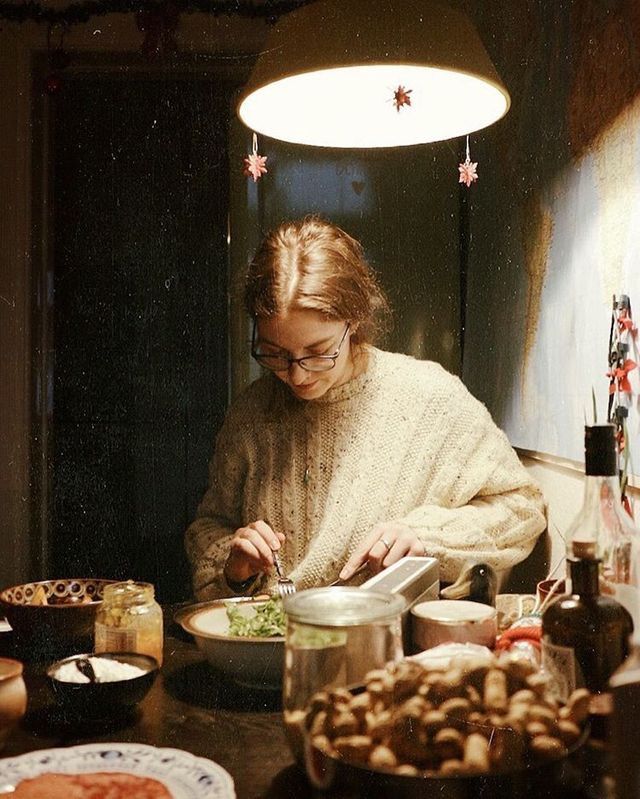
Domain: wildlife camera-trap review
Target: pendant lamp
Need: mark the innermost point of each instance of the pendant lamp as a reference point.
(372, 73)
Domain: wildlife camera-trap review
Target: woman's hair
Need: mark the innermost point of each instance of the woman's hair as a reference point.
(311, 264)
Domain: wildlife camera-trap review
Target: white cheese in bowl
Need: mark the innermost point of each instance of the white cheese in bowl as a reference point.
(105, 669)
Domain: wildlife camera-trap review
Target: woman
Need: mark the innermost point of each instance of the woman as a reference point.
(343, 454)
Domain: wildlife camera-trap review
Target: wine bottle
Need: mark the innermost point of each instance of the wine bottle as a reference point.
(603, 523)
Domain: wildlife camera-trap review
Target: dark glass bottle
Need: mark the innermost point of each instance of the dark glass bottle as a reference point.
(584, 640)
(585, 635)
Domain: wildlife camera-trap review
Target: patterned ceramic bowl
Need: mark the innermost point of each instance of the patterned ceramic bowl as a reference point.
(52, 618)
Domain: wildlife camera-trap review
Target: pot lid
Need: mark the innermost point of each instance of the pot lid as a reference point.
(343, 606)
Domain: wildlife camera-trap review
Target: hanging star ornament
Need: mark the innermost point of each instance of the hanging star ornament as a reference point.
(468, 173)
(254, 164)
(468, 169)
(401, 97)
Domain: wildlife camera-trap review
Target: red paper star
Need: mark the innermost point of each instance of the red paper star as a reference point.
(625, 322)
(401, 97)
(254, 166)
(468, 173)
(621, 376)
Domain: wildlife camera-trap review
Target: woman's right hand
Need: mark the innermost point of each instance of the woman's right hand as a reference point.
(251, 551)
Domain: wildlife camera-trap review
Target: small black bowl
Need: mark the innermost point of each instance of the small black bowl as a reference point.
(102, 700)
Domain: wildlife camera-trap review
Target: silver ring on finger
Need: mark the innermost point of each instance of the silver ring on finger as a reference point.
(386, 543)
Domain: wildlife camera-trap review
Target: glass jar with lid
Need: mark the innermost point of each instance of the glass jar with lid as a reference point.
(334, 637)
(129, 620)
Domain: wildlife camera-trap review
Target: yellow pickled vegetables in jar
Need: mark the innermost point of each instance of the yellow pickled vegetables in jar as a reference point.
(129, 620)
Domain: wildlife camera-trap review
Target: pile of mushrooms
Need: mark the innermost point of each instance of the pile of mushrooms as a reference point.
(473, 718)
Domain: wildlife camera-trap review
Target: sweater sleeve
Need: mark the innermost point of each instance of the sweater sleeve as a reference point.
(492, 511)
(219, 513)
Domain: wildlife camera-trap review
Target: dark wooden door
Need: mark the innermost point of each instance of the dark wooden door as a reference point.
(140, 192)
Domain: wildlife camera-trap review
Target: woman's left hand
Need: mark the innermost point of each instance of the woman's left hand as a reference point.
(386, 543)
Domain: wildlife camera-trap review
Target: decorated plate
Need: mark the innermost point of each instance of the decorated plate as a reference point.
(181, 773)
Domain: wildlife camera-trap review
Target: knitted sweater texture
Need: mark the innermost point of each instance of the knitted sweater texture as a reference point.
(404, 441)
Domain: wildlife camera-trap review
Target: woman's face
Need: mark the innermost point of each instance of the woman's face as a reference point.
(301, 333)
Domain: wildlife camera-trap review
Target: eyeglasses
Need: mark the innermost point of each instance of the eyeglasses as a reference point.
(282, 363)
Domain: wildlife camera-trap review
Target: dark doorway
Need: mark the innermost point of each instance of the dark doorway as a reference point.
(139, 334)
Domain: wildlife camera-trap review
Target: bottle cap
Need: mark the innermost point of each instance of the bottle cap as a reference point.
(601, 456)
(129, 592)
(584, 550)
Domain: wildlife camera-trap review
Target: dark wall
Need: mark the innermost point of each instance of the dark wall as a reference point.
(138, 377)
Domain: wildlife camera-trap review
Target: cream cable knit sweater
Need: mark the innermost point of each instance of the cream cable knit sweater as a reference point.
(404, 441)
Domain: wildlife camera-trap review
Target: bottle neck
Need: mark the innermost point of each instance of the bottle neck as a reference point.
(597, 486)
(601, 511)
(585, 576)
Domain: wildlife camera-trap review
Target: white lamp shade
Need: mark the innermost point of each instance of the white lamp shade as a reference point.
(329, 71)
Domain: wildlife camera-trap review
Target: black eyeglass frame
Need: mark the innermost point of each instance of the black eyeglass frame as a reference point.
(329, 359)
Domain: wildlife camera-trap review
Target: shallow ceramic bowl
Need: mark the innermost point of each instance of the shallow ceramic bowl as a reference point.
(254, 662)
(61, 627)
(99, 700)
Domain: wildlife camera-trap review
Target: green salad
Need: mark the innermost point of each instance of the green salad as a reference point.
(259, 621)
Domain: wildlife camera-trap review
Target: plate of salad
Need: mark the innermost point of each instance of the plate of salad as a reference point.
(242, 637)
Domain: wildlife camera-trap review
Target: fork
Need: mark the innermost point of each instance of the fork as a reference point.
(286, 586)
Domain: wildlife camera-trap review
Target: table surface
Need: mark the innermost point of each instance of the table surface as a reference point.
(190, 707)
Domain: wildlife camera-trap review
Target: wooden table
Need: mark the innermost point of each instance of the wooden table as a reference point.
(192, 708)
